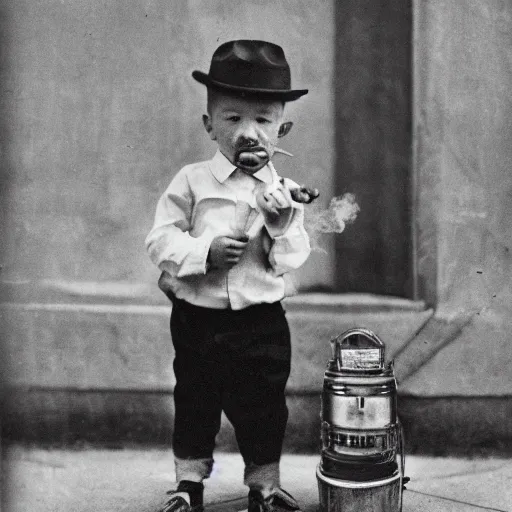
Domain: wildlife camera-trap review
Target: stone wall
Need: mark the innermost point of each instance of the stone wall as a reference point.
(463, 161)
(100, 111)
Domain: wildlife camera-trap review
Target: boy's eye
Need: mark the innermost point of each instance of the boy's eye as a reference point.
(234, 118)
(263, 120)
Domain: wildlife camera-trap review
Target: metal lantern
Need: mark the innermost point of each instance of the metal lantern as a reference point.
(362, 461)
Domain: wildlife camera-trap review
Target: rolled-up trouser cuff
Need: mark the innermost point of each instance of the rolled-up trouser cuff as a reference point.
(263, 477)
(195, 470)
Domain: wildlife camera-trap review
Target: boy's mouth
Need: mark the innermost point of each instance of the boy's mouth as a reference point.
(251, 158)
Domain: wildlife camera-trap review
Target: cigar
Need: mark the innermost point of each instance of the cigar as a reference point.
(303, 194)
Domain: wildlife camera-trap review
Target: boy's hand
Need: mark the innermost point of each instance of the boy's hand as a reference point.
(275, 203)
(225, 252)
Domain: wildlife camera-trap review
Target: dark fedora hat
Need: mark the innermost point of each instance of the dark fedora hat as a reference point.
(250, 67)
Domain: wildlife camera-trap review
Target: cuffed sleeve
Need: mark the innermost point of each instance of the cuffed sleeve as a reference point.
(291, 249)
(169, 244)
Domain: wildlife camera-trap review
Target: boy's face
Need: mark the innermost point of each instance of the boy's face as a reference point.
(246, 129)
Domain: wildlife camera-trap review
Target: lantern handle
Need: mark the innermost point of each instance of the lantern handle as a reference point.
(363, 332)
(360, 331)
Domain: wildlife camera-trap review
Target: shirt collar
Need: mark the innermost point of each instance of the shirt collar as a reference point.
(222, 169)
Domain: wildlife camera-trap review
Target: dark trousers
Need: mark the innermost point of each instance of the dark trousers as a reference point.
(232, 361)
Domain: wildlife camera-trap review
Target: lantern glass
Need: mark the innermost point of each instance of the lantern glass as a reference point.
(358, 350)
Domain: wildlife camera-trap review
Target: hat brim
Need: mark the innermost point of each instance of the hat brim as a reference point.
(282, 94)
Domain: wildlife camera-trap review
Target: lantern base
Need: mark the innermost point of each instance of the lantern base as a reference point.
(383, 495)
(378, 467)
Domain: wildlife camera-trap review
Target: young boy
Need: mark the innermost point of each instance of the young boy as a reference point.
(225, 232)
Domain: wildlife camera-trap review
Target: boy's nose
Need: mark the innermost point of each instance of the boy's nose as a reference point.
(248, 135)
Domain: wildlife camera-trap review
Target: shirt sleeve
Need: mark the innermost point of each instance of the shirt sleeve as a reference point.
(169, 243)
(291, 249)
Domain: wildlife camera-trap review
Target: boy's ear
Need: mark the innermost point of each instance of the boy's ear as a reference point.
(284, 129)
(207, 122)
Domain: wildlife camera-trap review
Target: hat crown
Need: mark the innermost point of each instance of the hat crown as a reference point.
(255, 64)
(257, 52)
(250, 67)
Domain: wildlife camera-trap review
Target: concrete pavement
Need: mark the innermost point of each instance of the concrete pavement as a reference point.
(136, 481)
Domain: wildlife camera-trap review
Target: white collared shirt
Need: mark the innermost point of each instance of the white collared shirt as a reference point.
(205, 200)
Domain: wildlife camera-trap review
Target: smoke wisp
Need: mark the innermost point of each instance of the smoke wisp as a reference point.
(341, 211)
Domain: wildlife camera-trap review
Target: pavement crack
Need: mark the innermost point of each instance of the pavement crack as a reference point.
(483, 507)
(467, 473)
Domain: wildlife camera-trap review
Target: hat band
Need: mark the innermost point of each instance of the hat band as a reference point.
(249, 76)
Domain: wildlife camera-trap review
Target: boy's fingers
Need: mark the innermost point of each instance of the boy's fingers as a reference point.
(267, 196)
(287, 194)
(278, 199)
(236, 244)
(231, 252)
(282, 198)
(278, 194)
(232, 260)
(270, 203)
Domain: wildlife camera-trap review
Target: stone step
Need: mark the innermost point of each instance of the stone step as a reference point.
(128, 346)
(437, 426)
